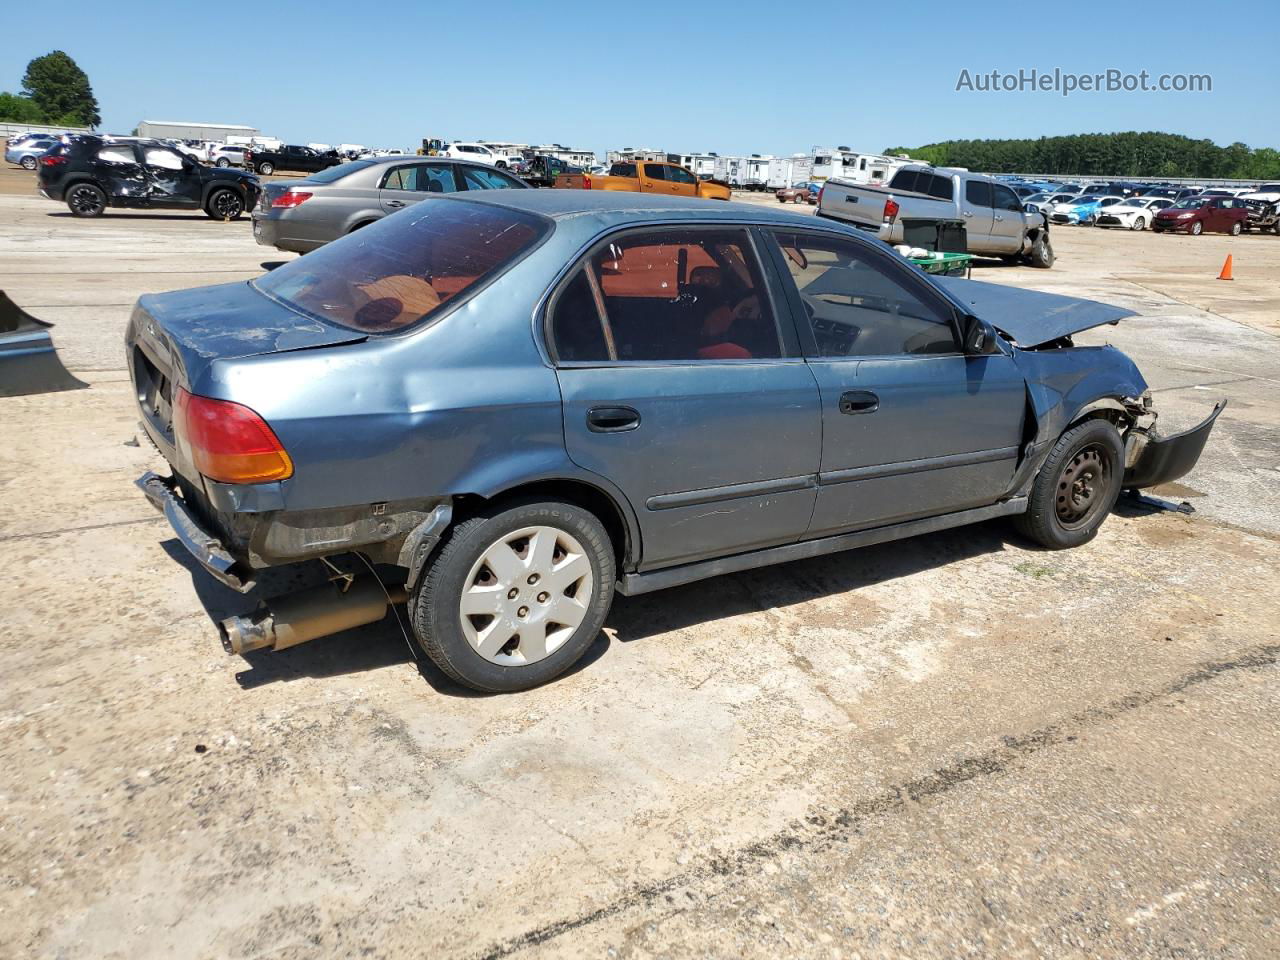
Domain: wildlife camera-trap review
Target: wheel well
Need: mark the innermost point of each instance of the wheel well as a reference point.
(571, 491)
(362, 223)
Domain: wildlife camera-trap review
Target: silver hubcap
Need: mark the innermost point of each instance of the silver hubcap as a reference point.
(526, 595)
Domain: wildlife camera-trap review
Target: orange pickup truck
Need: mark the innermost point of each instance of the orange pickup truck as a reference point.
(646, 177)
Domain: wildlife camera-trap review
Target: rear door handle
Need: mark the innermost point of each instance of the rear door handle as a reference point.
(395, 203)
(612, 419)
(859, 401)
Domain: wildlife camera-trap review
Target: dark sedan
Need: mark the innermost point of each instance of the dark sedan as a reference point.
(301, 215)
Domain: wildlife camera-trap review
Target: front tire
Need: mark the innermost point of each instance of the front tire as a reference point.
(28, 163)
(516, 595)
(224, 204)
(1139, 224)
(1235, 229)
(1076, 488)
(86, 200)
(1197, 228)
(1041, 254)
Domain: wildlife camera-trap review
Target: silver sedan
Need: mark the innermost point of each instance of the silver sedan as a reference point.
(301, 215)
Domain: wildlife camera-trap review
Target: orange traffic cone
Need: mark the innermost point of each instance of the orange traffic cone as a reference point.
(1226, 269)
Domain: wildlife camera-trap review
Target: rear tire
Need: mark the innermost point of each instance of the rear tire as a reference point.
(524, 562)
(224, 162)
(224, 204)
(1078, 485)
(266, 169)
(86, 200)
(27, 163)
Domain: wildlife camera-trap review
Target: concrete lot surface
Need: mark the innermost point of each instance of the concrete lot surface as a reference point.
(953, 746)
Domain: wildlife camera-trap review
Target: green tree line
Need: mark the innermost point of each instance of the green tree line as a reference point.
(1143, 155)
(55, 91)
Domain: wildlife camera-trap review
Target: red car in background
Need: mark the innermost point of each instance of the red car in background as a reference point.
(1197, 215)
(799, 193)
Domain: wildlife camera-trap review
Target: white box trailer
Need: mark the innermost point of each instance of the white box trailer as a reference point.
(755, 172)
(780, 173)
(730, 170)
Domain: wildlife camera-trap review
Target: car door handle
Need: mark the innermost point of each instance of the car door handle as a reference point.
(612, 419)
(859, 401)
(395, 203)
(968, 213)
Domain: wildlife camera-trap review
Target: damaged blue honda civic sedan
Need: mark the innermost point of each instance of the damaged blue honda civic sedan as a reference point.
(520, 402)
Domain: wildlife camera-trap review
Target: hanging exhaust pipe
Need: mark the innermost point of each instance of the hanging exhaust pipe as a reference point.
(295, 618)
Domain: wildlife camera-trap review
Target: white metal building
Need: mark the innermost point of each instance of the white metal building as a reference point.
(177, 130)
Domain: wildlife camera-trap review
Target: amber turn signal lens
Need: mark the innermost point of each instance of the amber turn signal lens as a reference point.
(229, 442)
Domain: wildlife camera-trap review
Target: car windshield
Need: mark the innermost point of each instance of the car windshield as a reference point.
(1088, 199)
(339, 171)
(1037, 197)
(1191, 203)
(404, 269)
(1132, 202)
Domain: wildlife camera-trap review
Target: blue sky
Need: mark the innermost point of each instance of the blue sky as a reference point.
(724, 77)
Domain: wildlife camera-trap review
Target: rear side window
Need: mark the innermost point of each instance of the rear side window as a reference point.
(622, 170)
(904, 180)
(669, 295)
(978, 193)
(939, 187)
(117, 155)
(404, 269)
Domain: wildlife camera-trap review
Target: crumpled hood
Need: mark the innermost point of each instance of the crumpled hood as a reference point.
(1030, 317)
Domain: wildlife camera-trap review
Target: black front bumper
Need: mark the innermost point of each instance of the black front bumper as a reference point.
(207, 549)
(1165, 459)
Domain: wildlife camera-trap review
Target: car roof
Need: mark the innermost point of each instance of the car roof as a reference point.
(623, 206)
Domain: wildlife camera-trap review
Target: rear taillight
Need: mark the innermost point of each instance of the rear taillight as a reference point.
(586, 182)
(891, 209)
(291, 198)
(229, 442)
(48, 161)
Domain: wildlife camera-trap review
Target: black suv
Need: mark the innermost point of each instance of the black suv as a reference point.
(92, 173)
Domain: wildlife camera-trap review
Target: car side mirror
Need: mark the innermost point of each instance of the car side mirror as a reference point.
(978, 336)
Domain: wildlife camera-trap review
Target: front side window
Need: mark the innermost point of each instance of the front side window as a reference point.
(1004, 198)
(680, 175)
(655, 171)
(670, 295)
(485, 178)
(856, 307)
(163, 158)
(404, 269)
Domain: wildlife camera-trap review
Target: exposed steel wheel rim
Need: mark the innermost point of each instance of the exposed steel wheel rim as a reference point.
(86, 200)
(526, 595)
(226, 204)
(1082, 487)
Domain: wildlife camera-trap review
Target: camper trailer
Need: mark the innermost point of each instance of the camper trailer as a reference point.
(755, 172)
(730, 170)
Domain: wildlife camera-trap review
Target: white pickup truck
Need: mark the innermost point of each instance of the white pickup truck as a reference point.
(995, 222)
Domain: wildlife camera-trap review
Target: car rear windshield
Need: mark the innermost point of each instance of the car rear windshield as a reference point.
(404, 269)
(338, 172)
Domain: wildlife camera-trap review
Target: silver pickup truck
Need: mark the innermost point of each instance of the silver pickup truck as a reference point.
(994, 219)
